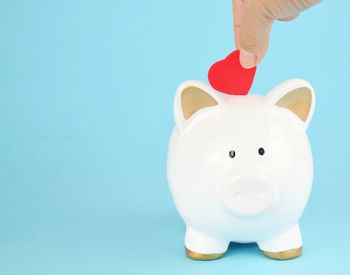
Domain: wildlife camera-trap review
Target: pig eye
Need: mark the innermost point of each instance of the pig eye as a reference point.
(261, 151)
(232, 154)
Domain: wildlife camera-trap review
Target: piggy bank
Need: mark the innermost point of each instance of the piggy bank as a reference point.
(240, 168)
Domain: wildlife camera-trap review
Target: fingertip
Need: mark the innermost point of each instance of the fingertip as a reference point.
(248, 60)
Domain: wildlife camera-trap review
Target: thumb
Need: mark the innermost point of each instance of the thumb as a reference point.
(254, 33)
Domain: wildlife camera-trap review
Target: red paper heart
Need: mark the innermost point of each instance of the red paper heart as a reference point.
(228, 76)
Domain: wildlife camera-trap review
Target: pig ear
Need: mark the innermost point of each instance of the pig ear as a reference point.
(191, 97)
(297, 96)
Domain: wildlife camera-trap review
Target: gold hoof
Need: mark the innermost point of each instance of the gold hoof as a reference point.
(284, 255)
(203, 257)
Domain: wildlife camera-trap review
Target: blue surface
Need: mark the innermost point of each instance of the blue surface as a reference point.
(86, 94)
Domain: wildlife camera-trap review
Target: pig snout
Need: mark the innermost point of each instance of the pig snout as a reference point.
(248, 195)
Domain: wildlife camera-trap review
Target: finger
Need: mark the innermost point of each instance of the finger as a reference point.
(287, 19)
(254, 33)
(237, 6)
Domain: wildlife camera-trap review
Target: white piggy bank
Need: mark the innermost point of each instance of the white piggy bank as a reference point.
(240, 168)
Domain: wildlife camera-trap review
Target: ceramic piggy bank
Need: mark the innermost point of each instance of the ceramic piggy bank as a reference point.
(240, 168)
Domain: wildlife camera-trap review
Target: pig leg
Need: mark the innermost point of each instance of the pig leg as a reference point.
(198, 246)
(285, 246)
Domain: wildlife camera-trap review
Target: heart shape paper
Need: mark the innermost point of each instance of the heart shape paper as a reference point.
(228, 76)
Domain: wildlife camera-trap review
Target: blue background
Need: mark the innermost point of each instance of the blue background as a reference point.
(86, 94)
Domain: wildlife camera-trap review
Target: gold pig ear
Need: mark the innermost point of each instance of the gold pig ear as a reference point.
(191, 97)
(297, 96)
(194, 99)
(299, 101)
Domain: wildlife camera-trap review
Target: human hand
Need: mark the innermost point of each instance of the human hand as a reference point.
(253, 20)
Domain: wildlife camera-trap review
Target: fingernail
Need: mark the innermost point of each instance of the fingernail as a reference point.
(247, 59)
